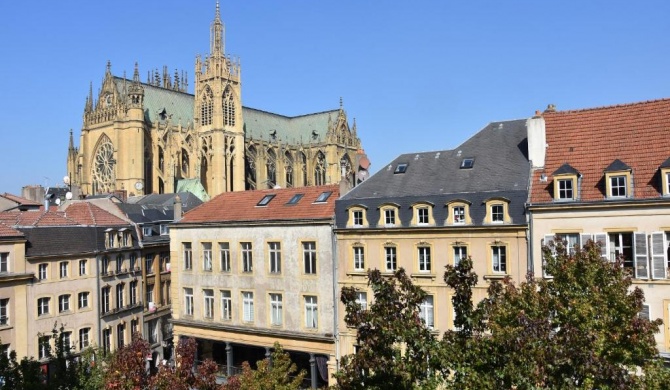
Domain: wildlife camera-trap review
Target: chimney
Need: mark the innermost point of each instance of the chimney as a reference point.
(177, 208)
(537, 140)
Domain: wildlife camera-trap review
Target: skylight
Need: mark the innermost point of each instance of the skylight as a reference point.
(467, 163)
(323, 197)
(400, 168)
(266, 199)
(295, 199)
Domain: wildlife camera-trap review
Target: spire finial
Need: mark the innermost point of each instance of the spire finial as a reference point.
(218, 14)
(136, 74)
(217, 34)
(340, 102)
(109, 66)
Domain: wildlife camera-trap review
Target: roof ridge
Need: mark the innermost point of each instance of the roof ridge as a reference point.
(607, 106)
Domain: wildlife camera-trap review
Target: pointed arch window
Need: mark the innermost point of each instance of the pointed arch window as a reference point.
(228, 108)
(206, 107)
(161, 159)
(303, 167)
(103, 170)
(288, 169)
(271, 168)
(320, 170)
(346, 169)
(250, 161)
(185, 167)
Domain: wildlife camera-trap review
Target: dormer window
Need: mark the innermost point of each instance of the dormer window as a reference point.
(423, 214)
(565, 183)
(665, 177)
(357, 217)
(400, 168)
(497, 211)
(111, 238)
(146, 231)
(388, 215)
(459, 212)
(165, 229)
(565, 189)
(618, 180)
(467, 163)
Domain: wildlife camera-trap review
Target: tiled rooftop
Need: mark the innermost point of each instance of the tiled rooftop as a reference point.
(20, 200)
(243, 206)
(7, 232)
(592, 139)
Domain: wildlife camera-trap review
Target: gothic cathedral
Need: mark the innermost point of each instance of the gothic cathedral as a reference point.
(154, 137)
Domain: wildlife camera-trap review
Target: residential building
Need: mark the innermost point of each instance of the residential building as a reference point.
(253, 268)
(151, 137)
(602, 174)
(426, 210)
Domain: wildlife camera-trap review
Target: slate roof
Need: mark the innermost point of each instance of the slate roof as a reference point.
(188, 200)
(257, 123)
(242, 206)
(566, 169)
(591, 139)
(65, 240)
(500, 169)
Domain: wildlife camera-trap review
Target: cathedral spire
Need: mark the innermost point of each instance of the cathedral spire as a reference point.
(71, 146)
(217, 34)
(89, 99)
(136, 74)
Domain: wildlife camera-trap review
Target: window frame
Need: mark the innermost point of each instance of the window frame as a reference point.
(276, 309)
(247, 257)
(84, 338)
(427, 311)
(43, 306)
(187, 253)
(4, 262)
(497, 261)
(358, 257)
(224, 257)
(274, 257)
(309, 257)
(208, 303)
(248, 306)
(188, 301)
(226, 305)
(626, 186)
(82, 267)
(424, 261)
(311, 311)
(64, 303)
(459, 252)
(82, 300)
(207, 261)
(390, 257)
(4, 312)
(43, 271)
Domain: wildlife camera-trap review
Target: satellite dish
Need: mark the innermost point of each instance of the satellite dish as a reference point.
(68, 195)
(66, 180)
(139, 186)
(362, 174)
(57, 201)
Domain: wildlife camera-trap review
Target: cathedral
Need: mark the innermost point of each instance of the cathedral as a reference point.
(154, 137)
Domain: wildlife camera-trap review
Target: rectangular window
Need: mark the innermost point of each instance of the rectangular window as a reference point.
(153, 331)
(247, 260)
(359, 258)
(460, 253)
(422, 215)
(311, 312)
(126, 239)
(149, 263)
(390, 253)
(119, 296)
(618, 186)
(63, 269)
(565, 189)
(459, 215)
(275, 257)
(188, 255)
(4, 262)
(43, 306)
(133, 292)
(248, 306)
(82, 298)
(621, 246)
(389, 217)
(43, 347)
(226, 305)
(120, 335)
(224, 256)
(188, 301)
(570, 240)
(42, 271)
(119, 264)
(106, 340)
(426, 312)
(276, 309)
(499, 258)
(133, 262)
(64, 303)
(165, 230)
(149, 293)
(497, 213)
(209, 303)
(134, 327)
(207, 256)
(66, 342)
(4, 311)
(104, 266)
(105, 300)
(82, 267)
(358, 218)
(309, 256)
(424, 259)
(110, 239)
(362, 299)
(84, 338)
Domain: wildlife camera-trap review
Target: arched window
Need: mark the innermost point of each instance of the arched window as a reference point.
(320, 170)
(346, 169)
(103, 170)
(206, 107)
(161, 159)
(161, 186)
(185, 167)
(303, 167)
(228, 108)
(250, 161)
(288, 169)
(271, 168)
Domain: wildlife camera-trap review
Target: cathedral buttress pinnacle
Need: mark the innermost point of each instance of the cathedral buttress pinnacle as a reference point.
(217, 35)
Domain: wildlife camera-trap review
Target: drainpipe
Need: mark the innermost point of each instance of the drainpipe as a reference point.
(529, 239)
(97, 295)
(336, 331)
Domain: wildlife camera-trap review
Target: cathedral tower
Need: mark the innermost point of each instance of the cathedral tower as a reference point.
(218, 116)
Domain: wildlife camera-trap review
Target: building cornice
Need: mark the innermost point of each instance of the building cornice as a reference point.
(599, 205)
(318, 337)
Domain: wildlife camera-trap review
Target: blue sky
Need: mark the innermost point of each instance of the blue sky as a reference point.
(416, 75)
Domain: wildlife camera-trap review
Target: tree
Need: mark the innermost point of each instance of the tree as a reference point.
(276, 373)
(183, 375)
(128, 367)
(395, 348)
(581, 329)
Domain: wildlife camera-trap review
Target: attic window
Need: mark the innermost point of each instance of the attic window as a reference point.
(401, 168)
(323, 197)
(266, 199)
(146, 231)
(467, 163)
(295, 199)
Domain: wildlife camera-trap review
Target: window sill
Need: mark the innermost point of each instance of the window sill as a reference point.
(351, 274)
(495, 276)
(423, 275)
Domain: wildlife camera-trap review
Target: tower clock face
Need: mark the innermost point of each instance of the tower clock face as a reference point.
(103, 168)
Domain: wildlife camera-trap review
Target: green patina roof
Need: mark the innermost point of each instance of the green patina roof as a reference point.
(258, 124)
(193, 186)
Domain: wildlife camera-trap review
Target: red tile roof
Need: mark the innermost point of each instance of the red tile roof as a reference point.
(6, 232)
(20, 200)
(80, 213)
(86, 213)
(242, 206)
(591, 139)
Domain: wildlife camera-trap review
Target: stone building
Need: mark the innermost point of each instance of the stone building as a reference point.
(146, 137)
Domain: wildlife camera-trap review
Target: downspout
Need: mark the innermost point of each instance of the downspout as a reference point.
(336, 330)
(529, 240)
(97, 294)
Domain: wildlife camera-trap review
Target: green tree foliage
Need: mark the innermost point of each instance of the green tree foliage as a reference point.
(580, 329)
(395, 348)
(277, 373)
(182, 375)
(127, 369)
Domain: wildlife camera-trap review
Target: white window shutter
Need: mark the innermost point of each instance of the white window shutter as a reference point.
(547, 240)
(640, 256)
(601, 238)
(658, 255)
(584, 238)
